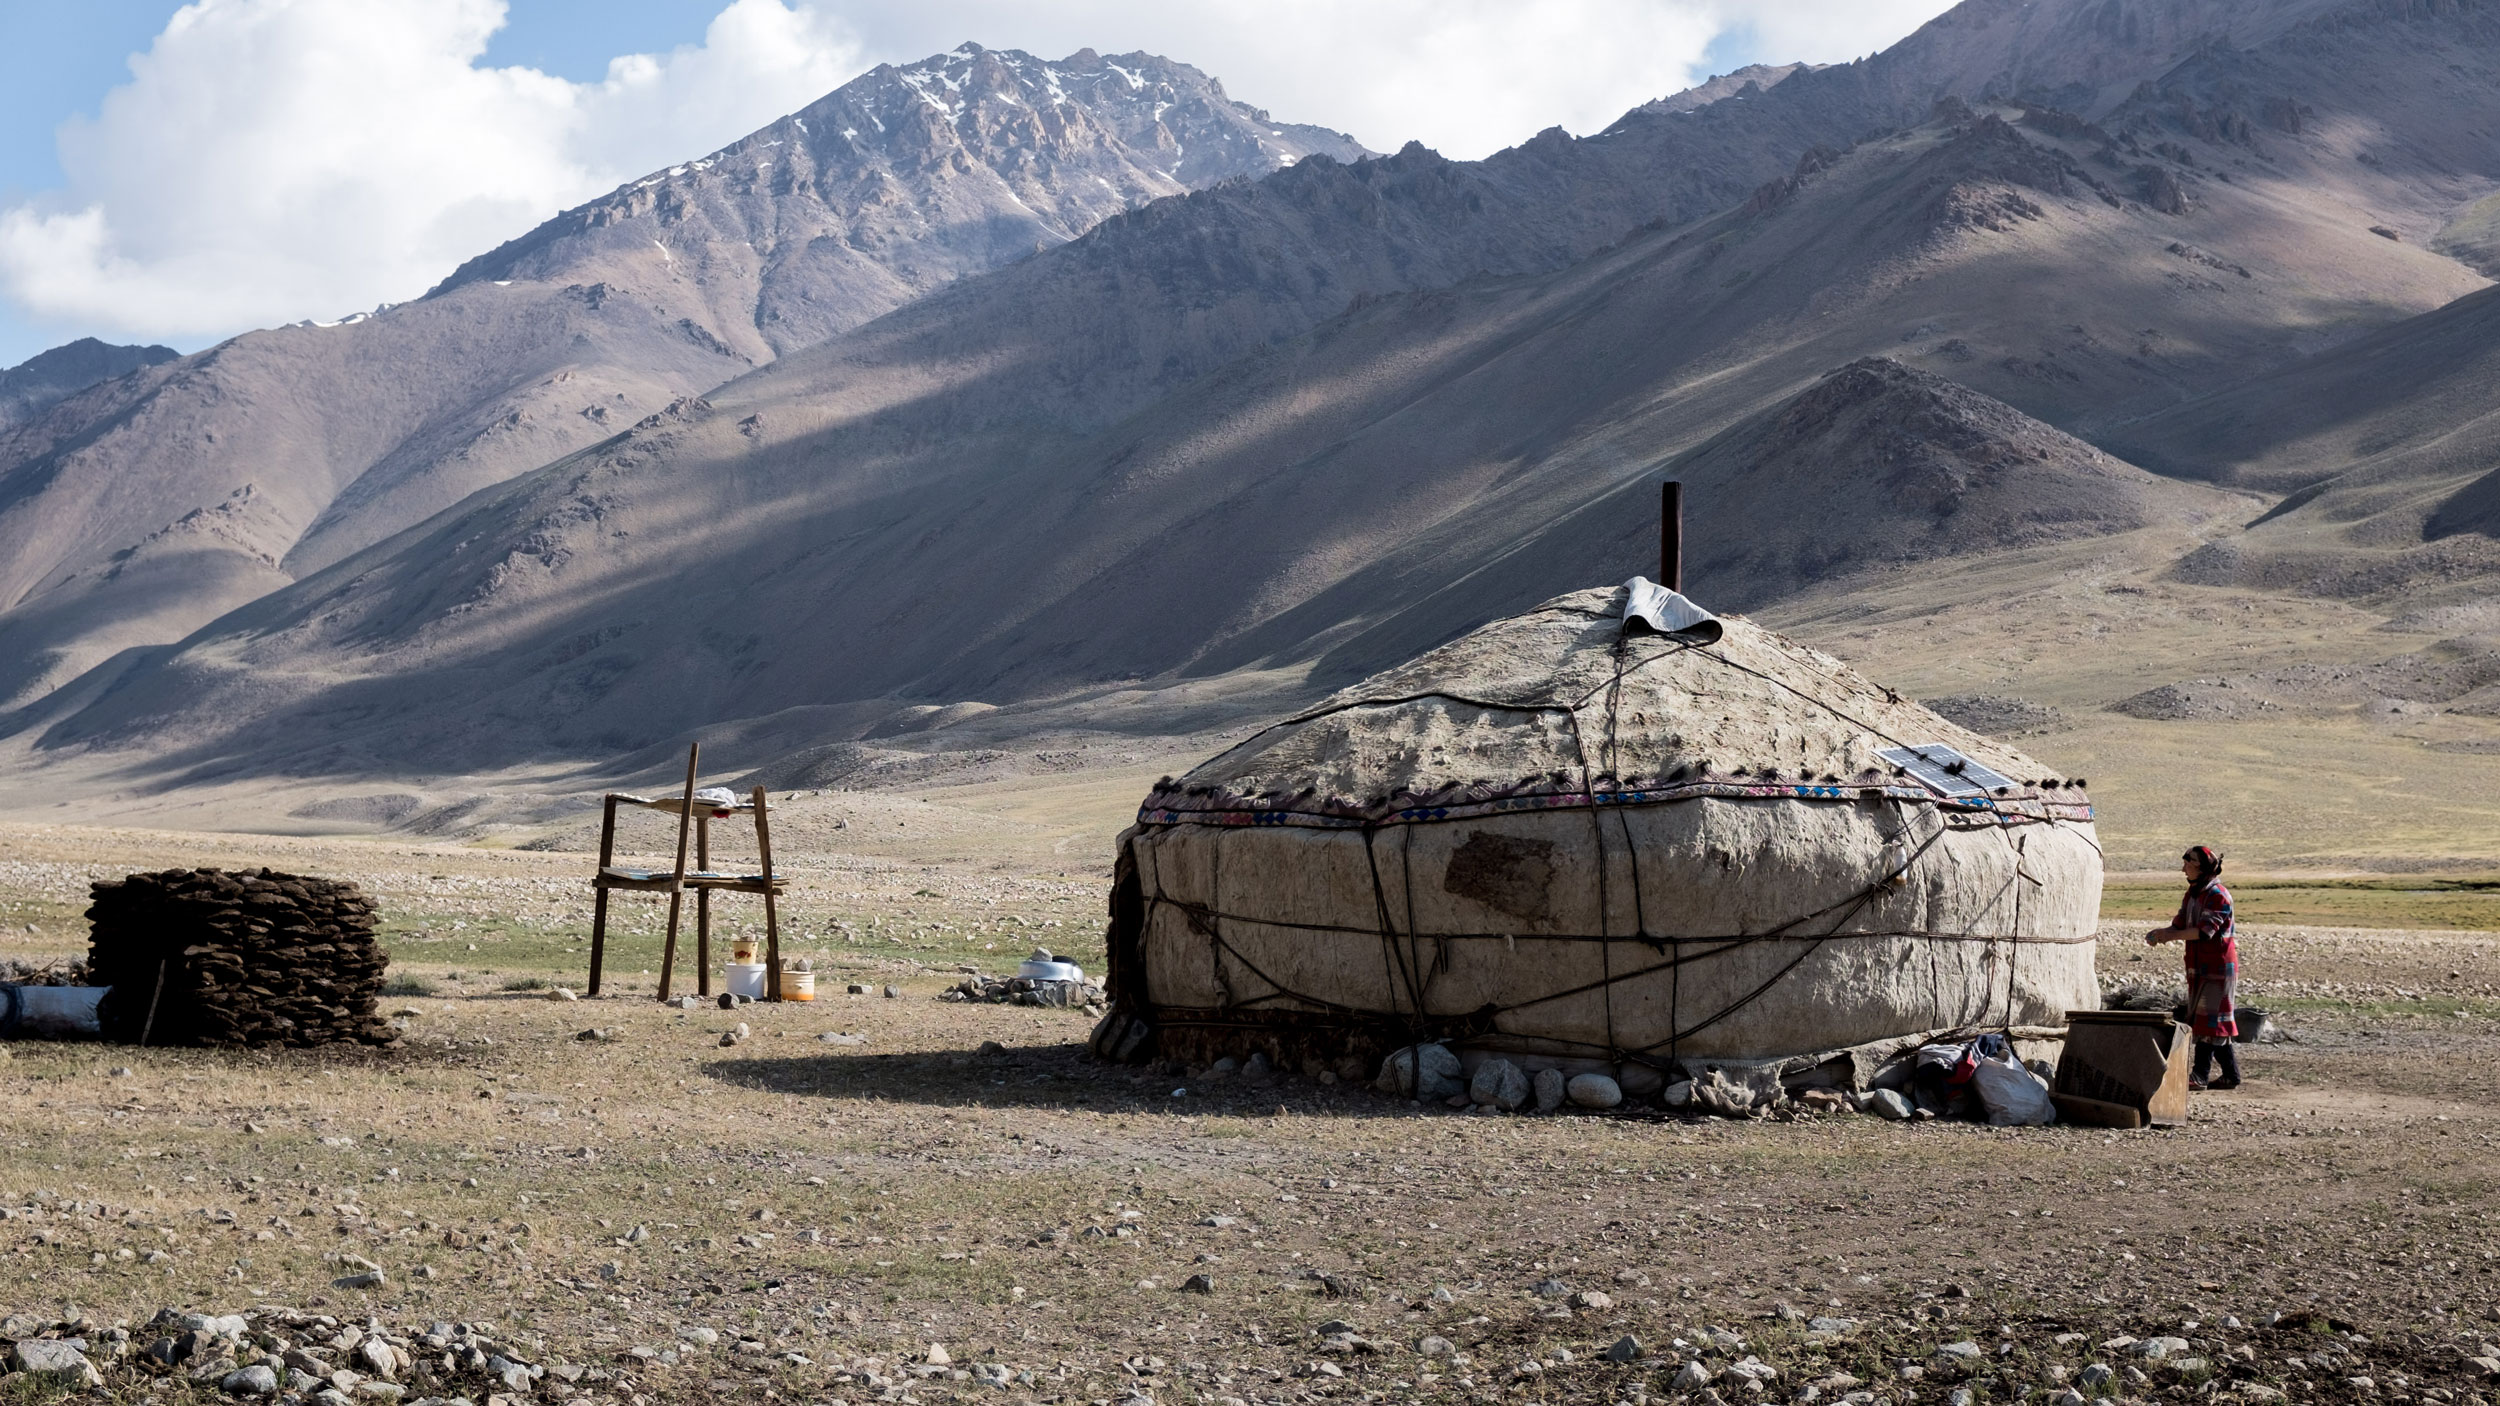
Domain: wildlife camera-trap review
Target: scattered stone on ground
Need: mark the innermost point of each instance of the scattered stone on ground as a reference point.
(1593, 1091)
(925, 1194)
(1549, 1090)
(1026, 991)
(1431, 1073)
(1997, 715)
(55, 1361)
(1501, 1084)
(303, 1355)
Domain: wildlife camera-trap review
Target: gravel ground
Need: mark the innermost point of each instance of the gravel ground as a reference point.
(828, 1211)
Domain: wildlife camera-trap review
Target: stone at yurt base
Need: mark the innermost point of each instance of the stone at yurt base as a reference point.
(248, 957)
(1572, 842)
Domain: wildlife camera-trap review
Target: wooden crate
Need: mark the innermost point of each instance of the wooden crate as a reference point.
(2123, 1069)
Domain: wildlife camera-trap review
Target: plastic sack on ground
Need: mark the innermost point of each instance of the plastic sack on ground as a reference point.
(49, 1012)
(2013, 1095)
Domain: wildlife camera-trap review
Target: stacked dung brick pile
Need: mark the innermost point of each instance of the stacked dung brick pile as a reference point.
(248, 957)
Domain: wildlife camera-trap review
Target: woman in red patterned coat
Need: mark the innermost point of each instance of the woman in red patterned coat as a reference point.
(2213, 966)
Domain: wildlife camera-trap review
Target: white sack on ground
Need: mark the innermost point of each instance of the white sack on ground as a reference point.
(2013, 1096)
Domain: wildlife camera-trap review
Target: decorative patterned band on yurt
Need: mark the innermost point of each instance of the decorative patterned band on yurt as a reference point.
(1584, 840)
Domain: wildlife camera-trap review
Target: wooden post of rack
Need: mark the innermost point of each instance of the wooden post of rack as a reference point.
(599, 903)
(772, 913)
(677, 891)
(703, 906)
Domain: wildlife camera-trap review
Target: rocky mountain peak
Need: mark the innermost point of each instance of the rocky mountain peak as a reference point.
(1921, 436)
(1750, 81)
(1360, 386)
(999, 105)
(44, 380)
(929, 171)
(899, 183)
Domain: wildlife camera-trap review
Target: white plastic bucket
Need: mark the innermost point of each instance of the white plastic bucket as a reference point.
(745, 979)
(797, 986)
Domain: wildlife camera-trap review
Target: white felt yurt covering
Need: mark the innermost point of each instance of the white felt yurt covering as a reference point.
(1587, 843)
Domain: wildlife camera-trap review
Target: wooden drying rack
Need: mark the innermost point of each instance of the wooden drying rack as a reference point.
(696, 817)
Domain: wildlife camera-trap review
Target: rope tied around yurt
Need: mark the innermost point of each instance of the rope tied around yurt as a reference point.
(1606, 780)
(1416, 1023)
(1393, 971)
(1586, 792)
(2014, 953)
(1678, 1030)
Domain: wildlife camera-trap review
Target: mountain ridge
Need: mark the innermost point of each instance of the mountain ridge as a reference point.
(1291, 428)
(307, 443)
(1130, 128)
(50, 377)
(2383, 449)
(1425, 428)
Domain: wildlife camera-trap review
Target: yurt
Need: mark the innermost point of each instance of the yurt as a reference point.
(1614, 834)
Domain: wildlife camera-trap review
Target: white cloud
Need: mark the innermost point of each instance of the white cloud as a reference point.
(278, 159)
(1465, 77)
(1825, 31)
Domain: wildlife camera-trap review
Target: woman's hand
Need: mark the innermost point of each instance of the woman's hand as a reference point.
(2157, 937)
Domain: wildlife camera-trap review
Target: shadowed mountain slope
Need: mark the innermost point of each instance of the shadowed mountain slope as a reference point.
(2420, 390)
(2387, 446)
(1881, 465)
(910, 177)
(1314, 423)
(133, 513)
(1321, 504)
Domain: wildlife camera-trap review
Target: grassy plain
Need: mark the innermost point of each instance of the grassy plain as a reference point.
(1028, 1207)
(2413, 901)
(2314, 780)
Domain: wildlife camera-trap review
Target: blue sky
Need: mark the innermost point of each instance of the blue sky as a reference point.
(177, 214)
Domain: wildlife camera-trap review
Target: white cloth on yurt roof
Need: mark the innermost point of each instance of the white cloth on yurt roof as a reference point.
(1667, 612)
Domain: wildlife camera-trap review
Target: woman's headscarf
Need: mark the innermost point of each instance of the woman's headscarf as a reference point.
(2208, 862)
